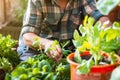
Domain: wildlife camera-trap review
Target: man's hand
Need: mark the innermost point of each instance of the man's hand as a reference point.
(54, 51)
(104, 19)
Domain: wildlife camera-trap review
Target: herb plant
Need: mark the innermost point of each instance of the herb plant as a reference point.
(96, 39)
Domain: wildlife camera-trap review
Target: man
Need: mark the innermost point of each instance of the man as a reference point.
(48, 20)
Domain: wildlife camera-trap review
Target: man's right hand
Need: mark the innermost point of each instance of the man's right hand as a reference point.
(54, 51)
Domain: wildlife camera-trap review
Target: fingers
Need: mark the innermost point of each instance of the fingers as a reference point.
(56, 53)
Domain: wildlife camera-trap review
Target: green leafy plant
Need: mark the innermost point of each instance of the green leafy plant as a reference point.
(40, 67)
(8, 56)
(62, 44)
(5, 65)
(96, 39)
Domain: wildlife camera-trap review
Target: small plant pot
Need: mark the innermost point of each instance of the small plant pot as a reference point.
(100, 72)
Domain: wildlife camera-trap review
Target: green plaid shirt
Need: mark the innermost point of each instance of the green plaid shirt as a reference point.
(47, 19)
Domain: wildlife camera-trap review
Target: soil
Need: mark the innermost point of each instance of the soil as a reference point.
(101, 62)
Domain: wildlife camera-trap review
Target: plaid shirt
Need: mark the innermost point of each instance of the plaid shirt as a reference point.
(47, 19)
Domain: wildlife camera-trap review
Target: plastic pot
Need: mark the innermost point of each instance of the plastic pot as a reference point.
(100, 72)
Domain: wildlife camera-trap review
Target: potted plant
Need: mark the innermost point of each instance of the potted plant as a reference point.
(94, 57)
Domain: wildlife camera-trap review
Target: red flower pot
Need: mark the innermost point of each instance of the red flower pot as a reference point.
(100, 72)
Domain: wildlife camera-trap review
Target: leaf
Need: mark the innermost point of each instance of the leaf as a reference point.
(65, 52)
(82, 68)
(85, 66)
(50, 76)
(76, 35)
(110, 35)
(42, 63)
(90, 63)
(82, 30)
(102, 34)
(113, 58)
(77, 57)
(76, 43)
(85, 20)
(116, 26)
(91, 21)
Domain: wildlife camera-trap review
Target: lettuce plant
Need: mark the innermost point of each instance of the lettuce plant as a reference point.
(96, 39)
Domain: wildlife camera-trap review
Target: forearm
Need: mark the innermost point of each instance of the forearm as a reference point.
(29, 39)
(56, 54)
(89, 8)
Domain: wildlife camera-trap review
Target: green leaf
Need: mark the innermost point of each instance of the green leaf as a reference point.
(85, 66)
(8, 76)
(76, 43)
(77, 57)
(65, 52)
(35, 71)
(50, 76)
(116, 26)
(23, 77)
(90, 63)
(76, 35)
(82, 68)
(110, 34)
(113, 58)
(82, 30)
(91, 21)
(85, 20)
(42, 64)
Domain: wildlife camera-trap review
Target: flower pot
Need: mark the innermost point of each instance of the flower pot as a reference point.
(100, 72)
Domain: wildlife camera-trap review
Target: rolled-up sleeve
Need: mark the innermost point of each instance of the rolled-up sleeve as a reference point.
(32, 18)
(89, 8)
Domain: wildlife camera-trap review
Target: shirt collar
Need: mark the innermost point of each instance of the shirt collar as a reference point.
(54, 1)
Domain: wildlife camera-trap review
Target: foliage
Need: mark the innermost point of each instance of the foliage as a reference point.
(105, 6)
(96, 39)
(7, 55)
(5, 65)
(65, 52)
(41, 67)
